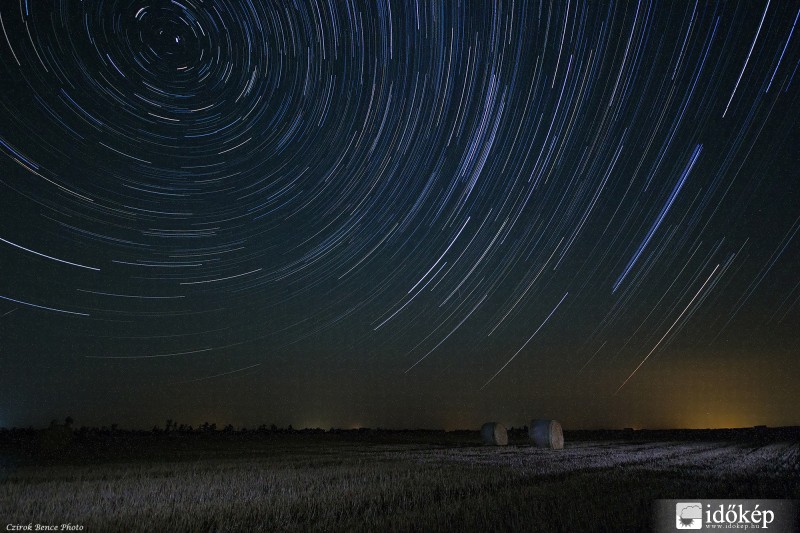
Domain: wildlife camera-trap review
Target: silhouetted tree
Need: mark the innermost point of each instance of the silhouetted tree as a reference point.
(56, 438)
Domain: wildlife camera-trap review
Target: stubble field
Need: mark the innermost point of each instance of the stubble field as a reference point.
(320, 484)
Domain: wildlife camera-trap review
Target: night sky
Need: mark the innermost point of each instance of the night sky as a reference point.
(400, 214)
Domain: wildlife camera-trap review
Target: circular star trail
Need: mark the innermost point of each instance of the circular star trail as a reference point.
(398, 201)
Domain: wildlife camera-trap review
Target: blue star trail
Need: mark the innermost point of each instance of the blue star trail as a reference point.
(242, 207)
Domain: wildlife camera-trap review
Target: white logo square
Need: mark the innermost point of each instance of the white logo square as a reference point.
(689, 515)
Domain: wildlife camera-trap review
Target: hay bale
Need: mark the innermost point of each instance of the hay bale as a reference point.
(494, 434)
(546, 434)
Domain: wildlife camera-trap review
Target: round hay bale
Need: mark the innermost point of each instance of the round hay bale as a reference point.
(494, 434)
(546, 434)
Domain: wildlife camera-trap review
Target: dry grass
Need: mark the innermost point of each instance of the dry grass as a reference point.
(302, 485)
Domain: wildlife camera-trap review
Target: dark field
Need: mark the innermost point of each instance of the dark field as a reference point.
(383, 481)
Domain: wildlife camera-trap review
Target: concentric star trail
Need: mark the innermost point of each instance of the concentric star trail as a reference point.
(378, 201)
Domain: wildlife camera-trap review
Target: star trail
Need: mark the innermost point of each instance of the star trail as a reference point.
(400, 214)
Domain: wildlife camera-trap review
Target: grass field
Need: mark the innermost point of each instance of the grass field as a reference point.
(295, 483)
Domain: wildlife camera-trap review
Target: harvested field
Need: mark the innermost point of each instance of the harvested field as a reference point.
(337, 485)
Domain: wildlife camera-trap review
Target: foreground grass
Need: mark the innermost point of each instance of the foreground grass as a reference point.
(340, 486)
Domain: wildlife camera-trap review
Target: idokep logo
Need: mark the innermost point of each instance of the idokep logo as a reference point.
(773, 516)
(740, 515)
(689, 515)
